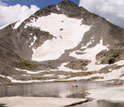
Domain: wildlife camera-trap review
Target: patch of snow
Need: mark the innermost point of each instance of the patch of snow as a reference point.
(2, 76)
(88, 44)
(115, 94)
(93, 67)
(34, 39)
(63, 68)
(48, 75)
(52, 70)
(71, 35)
(90, 54)
(92, 38)
(86, 77)
(62, 76)
(25, 75)
(31, 33)
(25, 26)
(38, 101)
(75, 78)
(28, 81)
(18, 23)
(120, 63)
(110, 69)
(29, 72)
(57, 7)
(115, 74)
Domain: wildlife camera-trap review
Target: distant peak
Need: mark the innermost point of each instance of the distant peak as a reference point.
(67, 2)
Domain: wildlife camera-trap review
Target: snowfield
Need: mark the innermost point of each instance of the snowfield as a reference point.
(68, 33)
(115, 94)
(28, 72)
(90, 54)
(38, 101)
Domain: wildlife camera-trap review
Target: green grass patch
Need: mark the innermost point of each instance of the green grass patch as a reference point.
(25, 64)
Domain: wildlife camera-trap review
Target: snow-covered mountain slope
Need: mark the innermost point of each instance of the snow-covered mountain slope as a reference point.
(61, 42)
(67, 32)
(90, 54)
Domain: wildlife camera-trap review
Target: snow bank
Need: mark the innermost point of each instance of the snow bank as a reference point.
(2, 76)
(18, 23)
(120, 63)
(38, 101)
(34, 39)
(62, 76)
(28, 81)
(63, 68)
(115, 94)
(115, 74)
(68, 33)
(86, 77)
(48, 75)
(29, 72)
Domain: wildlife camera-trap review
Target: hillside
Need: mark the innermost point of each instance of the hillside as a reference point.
(61, 42)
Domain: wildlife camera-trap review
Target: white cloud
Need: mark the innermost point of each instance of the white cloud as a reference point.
(10, 14)
(113, 10)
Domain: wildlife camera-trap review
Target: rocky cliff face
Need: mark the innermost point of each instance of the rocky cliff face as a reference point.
(61, 42)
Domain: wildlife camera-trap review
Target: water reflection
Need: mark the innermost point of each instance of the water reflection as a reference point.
(57, 89)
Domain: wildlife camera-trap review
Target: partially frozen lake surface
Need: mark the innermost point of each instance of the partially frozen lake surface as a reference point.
(56, 94)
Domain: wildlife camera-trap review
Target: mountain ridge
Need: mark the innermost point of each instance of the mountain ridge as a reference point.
(85, 44)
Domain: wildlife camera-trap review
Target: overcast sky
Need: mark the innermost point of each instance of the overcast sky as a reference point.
(13, 10)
